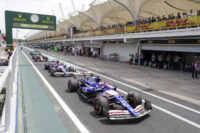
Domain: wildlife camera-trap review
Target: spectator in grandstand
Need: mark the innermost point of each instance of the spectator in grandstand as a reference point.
(153, 19)
(178, 16)
(169, 17)
(137, 22)
(198, 13)
(158, 19)
(143, 21)
(149, 20)
(184, 15)
(172, 16)
(163, 18)
(191, 13)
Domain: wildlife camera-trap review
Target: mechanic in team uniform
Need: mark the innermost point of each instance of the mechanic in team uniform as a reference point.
(9, 53)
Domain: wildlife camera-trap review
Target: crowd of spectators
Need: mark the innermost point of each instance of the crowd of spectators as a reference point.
(146, 21)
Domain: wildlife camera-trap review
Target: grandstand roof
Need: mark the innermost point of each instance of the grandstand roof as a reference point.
(120, 11)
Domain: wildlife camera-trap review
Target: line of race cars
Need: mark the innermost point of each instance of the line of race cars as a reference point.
(38, 57)
(102, 95)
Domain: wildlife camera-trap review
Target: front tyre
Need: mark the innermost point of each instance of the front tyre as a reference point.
(99, 104)
(46, 66)
(134, 99)
(52, 71)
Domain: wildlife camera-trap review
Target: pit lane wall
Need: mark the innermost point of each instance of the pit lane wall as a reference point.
(163, 25)
(8, 119)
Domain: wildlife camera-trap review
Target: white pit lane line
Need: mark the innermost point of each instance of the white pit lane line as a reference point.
(65, 107)
(155, 106)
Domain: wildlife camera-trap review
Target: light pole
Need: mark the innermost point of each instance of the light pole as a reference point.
(17, 34)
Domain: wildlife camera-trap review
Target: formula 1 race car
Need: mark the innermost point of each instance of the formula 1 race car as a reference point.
(49, 64)
(35, 52)
(116, 107)
(40, 58)
(89, 86)
(52, 68)
(59, 72)
(107, 101)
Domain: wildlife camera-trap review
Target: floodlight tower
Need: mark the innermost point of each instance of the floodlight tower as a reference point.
(73, 6)
(61, 10)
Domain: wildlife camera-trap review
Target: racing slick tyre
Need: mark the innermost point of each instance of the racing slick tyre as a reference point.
(134, 99)
(49, 70)
(71, 69)
(45, 59)
(46, 66)
(99, 104)
(73, 85)
(52, 71)
(38, 60)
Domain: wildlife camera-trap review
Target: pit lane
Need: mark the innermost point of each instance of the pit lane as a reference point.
(157, 121)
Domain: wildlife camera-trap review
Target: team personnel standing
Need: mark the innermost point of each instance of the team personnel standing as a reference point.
(9, 53)
(195, 68)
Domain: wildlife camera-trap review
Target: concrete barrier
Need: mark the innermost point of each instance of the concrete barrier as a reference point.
(8, 80)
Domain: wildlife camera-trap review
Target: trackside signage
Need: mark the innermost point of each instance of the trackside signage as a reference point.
(27, 21)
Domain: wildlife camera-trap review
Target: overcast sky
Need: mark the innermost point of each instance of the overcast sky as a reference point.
(41, 7)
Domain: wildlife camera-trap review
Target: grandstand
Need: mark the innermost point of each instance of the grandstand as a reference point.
(130, 27)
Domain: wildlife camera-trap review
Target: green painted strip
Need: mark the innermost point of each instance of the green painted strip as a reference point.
(39, 114)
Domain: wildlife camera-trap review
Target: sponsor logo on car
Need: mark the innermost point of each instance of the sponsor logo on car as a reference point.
(118, 112)
(138, 108)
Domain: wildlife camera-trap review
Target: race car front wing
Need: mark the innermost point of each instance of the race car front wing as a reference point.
(141, 110)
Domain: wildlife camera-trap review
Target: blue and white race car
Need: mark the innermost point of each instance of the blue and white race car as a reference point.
(116, 107)
(89, 86)
(107, 101)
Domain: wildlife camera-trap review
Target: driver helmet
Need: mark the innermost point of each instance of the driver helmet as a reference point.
(71, 69)
(97, 79)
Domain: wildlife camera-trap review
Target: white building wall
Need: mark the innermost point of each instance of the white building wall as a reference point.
(79, 46)
(124, 50)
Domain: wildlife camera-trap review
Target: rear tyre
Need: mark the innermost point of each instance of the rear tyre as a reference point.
(46, 59)
(99, 104)
(134, 99)
(73, 85)
(52, 71)
(46, 66)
